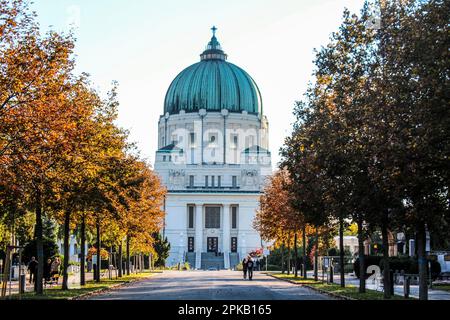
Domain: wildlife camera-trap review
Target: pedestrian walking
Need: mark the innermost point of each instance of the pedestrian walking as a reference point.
(250, 265)
(244, 267)
(32, 267)
(47, 270)
(55, 269)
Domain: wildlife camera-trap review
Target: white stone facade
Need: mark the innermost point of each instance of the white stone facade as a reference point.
(214, 165)
(74, 248)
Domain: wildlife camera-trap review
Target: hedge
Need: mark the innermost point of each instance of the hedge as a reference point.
(407, 264)
(369, 260)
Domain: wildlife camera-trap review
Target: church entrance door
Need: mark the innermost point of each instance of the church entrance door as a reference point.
(213, 243)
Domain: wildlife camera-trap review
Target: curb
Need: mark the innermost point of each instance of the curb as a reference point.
(334, 295)
(104, 290)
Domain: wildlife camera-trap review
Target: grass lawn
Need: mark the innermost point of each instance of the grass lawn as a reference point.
(292, 278)
(56, 292)
(349, 291)
(444, 287)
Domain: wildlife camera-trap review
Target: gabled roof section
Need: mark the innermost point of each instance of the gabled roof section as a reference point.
(256, 149)
(171, 148)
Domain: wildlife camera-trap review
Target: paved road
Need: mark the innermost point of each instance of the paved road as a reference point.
(211, 285)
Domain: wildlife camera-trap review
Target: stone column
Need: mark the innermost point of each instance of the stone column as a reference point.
(226, 235)
(202, 114)
(412, 248)
(224, 113)
(198, 234)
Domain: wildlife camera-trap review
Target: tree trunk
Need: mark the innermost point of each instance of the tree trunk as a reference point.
(110, 256)
(316, 257)
(386, 268)
(128, 256)
(295, 254)
(39, 244)
(341, 251)
(153, 262)
(65, 282)
(99, 250)
(289, 255)
(422, 261)
(305, 274)
(83, 252)
(150, 262)
(120, 260)
(282, 258)
(362, 262)
(138, 263)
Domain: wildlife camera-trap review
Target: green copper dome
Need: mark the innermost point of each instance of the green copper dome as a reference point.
(213, 84)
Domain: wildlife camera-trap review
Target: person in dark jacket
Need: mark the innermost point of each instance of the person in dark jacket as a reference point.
(32, 267)
(47, 269)
(250, 265)
(244, 267)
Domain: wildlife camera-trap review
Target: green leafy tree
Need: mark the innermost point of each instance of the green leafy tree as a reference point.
(412, 85)
(162, 249)
(370, 138)
(50, 249)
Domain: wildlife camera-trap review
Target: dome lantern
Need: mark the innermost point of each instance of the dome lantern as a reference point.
(213, 49)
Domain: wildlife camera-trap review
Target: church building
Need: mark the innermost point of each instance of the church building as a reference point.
(213, 156)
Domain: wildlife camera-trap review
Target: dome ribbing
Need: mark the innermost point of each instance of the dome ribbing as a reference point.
(213, 84)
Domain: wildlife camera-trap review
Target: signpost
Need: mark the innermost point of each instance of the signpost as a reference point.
(7, 272)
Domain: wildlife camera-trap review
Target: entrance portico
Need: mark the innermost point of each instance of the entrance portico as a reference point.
(197, 225)
(212, 231)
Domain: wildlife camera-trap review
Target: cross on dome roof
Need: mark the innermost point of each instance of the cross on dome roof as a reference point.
(213, 49)
(213, 84)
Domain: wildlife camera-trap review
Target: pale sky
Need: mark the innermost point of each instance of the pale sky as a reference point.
(144, 44)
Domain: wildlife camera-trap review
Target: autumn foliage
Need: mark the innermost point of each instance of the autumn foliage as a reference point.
(370, 142)
(61, 154)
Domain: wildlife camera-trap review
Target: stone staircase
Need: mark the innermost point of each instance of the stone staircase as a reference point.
(234, 260)
(190, 258)
(210, 260)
